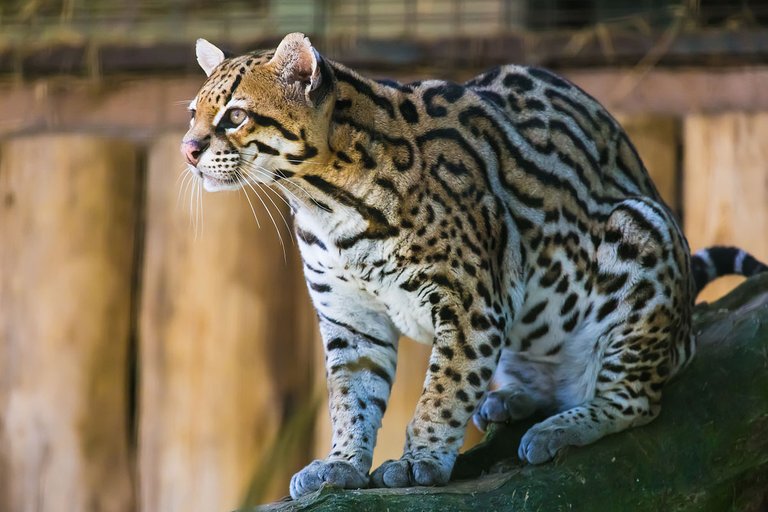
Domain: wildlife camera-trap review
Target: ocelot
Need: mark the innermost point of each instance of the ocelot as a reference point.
(507, 221)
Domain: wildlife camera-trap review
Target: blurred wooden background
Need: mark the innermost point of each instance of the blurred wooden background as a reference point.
(156, 361)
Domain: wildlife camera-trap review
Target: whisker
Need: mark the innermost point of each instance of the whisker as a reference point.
(271, 176)
(274, 223)
(182, 186)
(349, 210)
(253, 210)
(198, 190)
(241, 190)
(186, 182)
(182, 173)
(279, 210)
(254, 153)
(202, 210)
(269, 188)
(192, 186)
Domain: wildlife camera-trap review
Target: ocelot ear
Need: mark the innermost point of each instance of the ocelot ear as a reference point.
(208, 56)
(297, 63)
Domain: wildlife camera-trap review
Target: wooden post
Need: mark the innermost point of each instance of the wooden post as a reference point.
(657, 140)
(68, 214)
(221, 366)
(726, 185)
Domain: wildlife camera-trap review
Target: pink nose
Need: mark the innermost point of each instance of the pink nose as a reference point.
(192, 149)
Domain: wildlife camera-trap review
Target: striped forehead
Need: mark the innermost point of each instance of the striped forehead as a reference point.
(218, 89)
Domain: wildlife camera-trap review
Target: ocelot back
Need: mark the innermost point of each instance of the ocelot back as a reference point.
(507, 221)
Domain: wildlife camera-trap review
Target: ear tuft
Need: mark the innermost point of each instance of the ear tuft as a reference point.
(208, 56)
(295, 60)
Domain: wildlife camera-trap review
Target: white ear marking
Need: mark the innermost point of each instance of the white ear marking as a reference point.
(208, 56)
(314, 78)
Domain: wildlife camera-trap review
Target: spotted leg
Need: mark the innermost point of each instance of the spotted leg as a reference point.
(460, 368)
(644, 312)
(360, 354)
(625, 397)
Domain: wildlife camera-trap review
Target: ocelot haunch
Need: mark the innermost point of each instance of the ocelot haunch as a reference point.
(507, 221)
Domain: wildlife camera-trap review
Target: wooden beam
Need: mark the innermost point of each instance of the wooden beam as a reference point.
(97, 55)
(158, 104)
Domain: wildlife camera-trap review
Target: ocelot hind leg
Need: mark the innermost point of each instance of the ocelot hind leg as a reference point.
(523, 387)
(625, 397)
(641, 317)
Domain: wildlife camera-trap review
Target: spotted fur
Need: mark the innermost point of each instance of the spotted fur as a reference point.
(508, 222)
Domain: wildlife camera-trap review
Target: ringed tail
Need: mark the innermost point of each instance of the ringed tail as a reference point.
(710, 263)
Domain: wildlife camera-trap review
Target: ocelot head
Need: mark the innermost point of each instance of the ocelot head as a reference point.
(258, 114)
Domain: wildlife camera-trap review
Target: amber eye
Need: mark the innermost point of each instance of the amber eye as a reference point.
(237, 116)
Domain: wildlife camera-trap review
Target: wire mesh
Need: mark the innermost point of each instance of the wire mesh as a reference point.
(238, 20)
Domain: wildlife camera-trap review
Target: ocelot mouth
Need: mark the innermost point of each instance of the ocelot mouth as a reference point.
(212, 184)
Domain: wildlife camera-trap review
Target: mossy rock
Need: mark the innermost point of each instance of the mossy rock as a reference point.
(707, 451)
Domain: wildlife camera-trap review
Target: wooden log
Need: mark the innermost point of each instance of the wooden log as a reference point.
(707, 451)
(657, 140)
(68, 218)
(725, 192)
(221, 366)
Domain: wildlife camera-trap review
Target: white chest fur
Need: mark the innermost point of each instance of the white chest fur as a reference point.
(411, 317)
(364, 283)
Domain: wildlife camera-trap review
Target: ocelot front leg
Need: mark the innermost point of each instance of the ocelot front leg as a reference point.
(464, 355)
(360, 357)
(640, 317)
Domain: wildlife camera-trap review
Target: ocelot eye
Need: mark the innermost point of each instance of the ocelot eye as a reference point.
(236, 116)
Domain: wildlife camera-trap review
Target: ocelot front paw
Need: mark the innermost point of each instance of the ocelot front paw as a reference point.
(410, 471)
(336, 473)
(503, 405)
